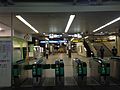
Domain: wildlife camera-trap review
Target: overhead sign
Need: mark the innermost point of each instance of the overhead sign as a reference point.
(27, 37)
(76, 41)
(103, 40)
(53, 41)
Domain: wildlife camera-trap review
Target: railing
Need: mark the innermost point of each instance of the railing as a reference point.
(92, 48)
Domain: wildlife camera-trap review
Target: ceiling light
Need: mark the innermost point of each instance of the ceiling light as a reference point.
(85, 49)
(69, 22)
(43, 33)
(26, 23)
(0, 29)
(47, 38)
(112, 37)
(111, 22)
(72, 39)
(86, 37)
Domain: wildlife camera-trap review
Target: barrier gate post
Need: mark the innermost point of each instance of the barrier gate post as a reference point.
(61, 77)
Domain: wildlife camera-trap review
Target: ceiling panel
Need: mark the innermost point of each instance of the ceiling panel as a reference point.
(48, 22)
(56, 22)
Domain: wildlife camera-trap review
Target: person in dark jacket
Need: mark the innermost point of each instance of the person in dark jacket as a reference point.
(47, 53)
(102, 52)
(114, 51)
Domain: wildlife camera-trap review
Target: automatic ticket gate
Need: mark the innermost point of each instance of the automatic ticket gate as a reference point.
(38, 69)
(38, 74)
(19, 74)
(115, 69)
(100, 70)
(79, 71)
(59, 72)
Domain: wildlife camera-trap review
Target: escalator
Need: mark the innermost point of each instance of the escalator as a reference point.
(87, 48)
(97, 47)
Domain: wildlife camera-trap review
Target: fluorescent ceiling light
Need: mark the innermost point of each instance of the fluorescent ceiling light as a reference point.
(0, 29)
(86, 37)
(111, 22)
(85, 49)
(26, 23)
(47, 38)
(112, 37)
(72, 39)
(69, 22)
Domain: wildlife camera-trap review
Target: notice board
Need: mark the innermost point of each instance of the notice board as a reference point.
(5, 63)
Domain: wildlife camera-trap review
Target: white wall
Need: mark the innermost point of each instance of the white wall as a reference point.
(22, 35)
(81, 49)
(5, 33)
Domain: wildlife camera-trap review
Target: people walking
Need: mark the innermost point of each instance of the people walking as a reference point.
(102, 52)
(114, 51)
(47, 53)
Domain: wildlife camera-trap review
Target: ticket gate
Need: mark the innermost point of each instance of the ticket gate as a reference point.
(115, 69)
(79, 71)
(100, 70)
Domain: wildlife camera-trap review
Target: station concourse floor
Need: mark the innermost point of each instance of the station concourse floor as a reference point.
(67, 62)
(69, 82)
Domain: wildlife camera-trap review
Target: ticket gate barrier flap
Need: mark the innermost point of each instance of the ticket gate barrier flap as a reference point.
(104, 70)
(101, 70)
(84, 68)
(53, 66)
(107, 69)
(84, 71)
(61, 69)
(46, 66)
(39, 70)
(16, 71)
(28, 67)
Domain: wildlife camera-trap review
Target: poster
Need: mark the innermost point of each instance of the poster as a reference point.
(5, 63)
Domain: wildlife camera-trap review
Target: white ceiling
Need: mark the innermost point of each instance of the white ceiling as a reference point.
(56, 22)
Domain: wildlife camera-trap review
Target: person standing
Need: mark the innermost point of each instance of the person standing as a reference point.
(47, 53)
(102, 52)
(114, 51)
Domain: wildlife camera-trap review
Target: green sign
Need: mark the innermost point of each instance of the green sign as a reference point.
(39, 71)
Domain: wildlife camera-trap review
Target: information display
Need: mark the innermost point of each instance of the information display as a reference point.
(5, 63)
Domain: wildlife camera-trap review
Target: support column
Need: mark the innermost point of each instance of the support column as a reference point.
(118, 44)
(69, 49)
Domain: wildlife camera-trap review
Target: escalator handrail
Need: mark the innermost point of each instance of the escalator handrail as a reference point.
(20, 61)
(101, 60)
(116, 57)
